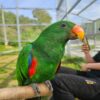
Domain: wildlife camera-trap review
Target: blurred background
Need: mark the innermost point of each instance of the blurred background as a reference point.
(21, 22)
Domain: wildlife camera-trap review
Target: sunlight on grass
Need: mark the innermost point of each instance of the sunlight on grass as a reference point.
(7, 70)
(5, 48)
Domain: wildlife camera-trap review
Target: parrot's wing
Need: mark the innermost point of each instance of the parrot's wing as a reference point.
(22, 64)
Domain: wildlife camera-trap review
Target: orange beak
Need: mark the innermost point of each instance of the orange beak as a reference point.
(78, 31)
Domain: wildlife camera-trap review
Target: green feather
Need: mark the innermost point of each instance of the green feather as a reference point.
(48, 49)
(22, 64)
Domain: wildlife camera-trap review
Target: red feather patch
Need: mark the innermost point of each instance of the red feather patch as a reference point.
(32, 68)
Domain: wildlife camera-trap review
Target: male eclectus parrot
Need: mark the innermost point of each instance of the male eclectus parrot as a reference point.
(39, 60)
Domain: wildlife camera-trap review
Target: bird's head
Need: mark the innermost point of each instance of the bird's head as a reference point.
(66, 30)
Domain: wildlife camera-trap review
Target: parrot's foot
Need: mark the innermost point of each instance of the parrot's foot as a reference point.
(49, 85)
(36, 89)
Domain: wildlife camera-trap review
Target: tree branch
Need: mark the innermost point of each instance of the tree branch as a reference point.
(24, 92)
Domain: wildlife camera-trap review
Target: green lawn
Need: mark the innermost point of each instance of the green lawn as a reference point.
(73, 62)
(7, 70)
(6, 48)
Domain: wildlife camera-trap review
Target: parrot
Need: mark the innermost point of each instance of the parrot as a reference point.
(39, 60)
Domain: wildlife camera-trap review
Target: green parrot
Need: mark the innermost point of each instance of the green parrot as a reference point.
(39, 60)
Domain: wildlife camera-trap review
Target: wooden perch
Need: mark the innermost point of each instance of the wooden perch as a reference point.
(24, 92)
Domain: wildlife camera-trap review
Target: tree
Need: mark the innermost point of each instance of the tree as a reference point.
(10, 18)
(25, 20)
(42, 16)
(0, 16)
(27, 32)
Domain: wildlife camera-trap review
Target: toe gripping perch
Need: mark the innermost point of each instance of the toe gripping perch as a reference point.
(36, 88)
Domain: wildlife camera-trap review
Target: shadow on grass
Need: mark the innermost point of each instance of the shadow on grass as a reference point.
(5, 82)
(5, 66)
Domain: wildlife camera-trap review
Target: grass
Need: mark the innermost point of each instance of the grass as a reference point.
(6, 48)
(73, 62)
(79, 46)
(7, 70)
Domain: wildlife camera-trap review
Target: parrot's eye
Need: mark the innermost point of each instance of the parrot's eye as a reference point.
(63, 25)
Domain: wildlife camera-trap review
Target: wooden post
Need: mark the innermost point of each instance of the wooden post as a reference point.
(22, 92)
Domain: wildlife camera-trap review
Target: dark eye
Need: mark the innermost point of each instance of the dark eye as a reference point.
(63, 25)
